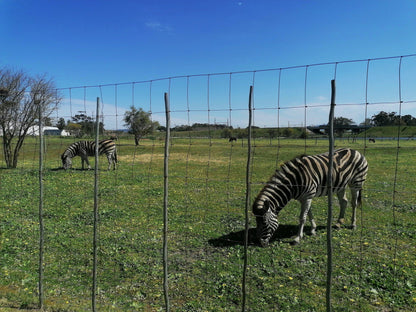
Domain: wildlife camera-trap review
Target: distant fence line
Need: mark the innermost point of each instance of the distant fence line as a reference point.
(217, 97)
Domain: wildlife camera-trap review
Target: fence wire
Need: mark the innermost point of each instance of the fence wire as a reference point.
(208, 259)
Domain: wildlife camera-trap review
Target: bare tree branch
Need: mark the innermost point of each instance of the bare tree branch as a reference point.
(21, 98)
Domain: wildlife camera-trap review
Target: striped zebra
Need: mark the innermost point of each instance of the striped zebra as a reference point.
(304, 178)
(87, 148)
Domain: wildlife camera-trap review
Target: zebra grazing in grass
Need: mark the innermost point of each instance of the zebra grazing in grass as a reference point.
(87, 148)
(304, 178)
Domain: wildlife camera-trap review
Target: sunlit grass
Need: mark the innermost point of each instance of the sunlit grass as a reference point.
(374, 266)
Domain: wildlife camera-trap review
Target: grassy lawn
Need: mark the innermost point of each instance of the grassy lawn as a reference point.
(374, 266)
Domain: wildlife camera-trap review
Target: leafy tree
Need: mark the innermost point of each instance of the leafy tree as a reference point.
(61, 124)
(272, 132)
(394, 119)
(22, 100)
(409, 120)
(367, 122)
(139, 123)
(87, 124)
(74, 129)
(161, 128)
(381, 119)
(182, 128)
(240, 133)
(340, 123)
(391, 119)
(287, 132)
(226, 133)
(303, 134)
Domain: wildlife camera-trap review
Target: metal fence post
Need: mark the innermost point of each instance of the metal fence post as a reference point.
(41, 226)
(165, 205)
(248, 193)
(330, 196)
(95, 230)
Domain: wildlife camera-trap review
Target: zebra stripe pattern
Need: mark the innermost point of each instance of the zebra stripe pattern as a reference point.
(87, 148)
(304, 178)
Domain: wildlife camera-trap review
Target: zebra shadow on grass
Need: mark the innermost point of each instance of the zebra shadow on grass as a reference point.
(283, 234)
(57, 169)
(72, 169)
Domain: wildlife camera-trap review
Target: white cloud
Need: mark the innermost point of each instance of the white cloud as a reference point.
(157, 26)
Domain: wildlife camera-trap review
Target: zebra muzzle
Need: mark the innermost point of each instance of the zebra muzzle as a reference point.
(264, 242)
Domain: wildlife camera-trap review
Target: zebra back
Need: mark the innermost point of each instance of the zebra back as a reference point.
(106, 147)
(88, 147)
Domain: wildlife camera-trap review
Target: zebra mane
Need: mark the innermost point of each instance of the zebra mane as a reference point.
(66, 152)
(293, 160)
(285, 166)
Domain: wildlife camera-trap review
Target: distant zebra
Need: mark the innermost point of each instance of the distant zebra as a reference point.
(304, 178)
(232, 139)
(87, 148)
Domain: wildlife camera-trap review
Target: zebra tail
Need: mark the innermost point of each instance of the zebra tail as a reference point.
(359, 198)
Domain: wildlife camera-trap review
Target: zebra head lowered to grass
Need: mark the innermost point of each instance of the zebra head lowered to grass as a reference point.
(87, 148)
(304, 178)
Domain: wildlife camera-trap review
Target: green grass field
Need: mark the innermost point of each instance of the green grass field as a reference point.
(374, 266)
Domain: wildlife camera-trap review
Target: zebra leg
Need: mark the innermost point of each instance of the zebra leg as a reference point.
(85, 158)
(111, 160)
(304, 211)
(313, 224)
(355, 193)
(343, 202)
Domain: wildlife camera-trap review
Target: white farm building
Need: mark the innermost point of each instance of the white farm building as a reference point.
(47, 131)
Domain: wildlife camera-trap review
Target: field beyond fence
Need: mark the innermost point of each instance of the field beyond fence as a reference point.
(374, 266)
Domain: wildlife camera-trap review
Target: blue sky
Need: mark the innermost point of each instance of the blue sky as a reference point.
(90, 43)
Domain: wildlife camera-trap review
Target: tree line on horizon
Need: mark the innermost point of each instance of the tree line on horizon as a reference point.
(24, 99)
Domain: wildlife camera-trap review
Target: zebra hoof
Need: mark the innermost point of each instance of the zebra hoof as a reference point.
(295, 240)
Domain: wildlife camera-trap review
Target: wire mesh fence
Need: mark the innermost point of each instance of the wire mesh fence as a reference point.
(172, 228)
